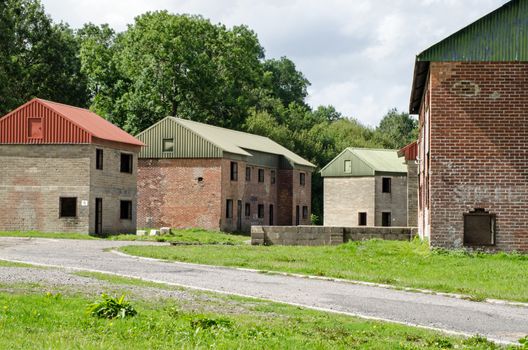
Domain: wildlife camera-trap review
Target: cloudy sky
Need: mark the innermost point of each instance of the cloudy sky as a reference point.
(358, 54)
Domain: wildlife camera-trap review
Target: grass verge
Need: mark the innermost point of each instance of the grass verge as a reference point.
(55, 321)
(5, 263)
(402, 264)
(37, 234)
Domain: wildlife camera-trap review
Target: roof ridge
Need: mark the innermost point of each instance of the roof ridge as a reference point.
(221, 127)
(67, 105)
(373, 149)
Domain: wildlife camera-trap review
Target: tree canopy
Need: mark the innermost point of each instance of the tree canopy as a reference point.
(180, 65)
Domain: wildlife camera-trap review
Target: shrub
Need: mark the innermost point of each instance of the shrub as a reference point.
(110, 307)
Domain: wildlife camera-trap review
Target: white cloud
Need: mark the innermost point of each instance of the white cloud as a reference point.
(359, 55)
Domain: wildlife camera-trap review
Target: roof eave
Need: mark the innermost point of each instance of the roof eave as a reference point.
(421, 70)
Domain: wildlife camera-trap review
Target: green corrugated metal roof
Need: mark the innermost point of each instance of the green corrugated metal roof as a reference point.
(501, 35)
(365, 162)
(201, 140)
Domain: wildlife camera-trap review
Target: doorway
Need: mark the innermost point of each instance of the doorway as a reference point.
(271, 215)
(98, 216)
(239, 216)
(297, 219)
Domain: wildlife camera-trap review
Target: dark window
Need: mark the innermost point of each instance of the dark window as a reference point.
(229, 208)
(305, 212)
(261, 175)
(35, 128)
(271, 214)
(234, 171)
(479, 228)
(248, 174)
(126, 163)
(362, 219)
(248, 210)
(168, 145)
(99, 159)
(302, 179)
(348, 166)
(126, 210)
(386, 219)
(261, 211)
(68, 207)
(272, 177)
(386, 185)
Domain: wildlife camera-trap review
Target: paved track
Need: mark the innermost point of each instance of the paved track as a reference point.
(503, 323)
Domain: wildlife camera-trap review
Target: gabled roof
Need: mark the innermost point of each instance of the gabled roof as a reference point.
(410, 152)
(365, 162)
(92, 123)
(205, 140)
(59, 124)
(500, 36)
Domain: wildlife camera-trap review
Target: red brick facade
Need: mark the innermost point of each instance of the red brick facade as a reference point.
(186, 193)
(473, 151)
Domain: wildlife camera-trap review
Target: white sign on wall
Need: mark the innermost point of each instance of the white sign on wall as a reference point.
(84, 203)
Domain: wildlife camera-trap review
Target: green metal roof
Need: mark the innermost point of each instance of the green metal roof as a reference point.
(199, 140)
(365, 162)
(500, 36)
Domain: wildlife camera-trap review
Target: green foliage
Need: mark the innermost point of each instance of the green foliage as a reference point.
(315, 220)
(111, 307)
(396, 130)
(524, 342)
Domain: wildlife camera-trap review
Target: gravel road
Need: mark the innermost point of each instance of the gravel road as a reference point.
(501, 323)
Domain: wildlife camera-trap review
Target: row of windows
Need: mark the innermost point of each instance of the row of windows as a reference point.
(126, 161)
(385, 219)
(273, 178)
(68, 208)
(260, 210)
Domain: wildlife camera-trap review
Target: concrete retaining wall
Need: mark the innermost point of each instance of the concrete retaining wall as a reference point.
(325, 235)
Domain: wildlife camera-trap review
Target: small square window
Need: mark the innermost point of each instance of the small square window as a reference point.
(234, 171)
(99, 159)
(302, 179)
(35, 128)
(273, 177)
(248, 210)
(126, 163)
(386, 185)
(126, 210)
(248, 174)
(362, 219)
(305, 212)
(229, 208)
(261, 211)
(168, 145)
(261, 175)
(348, 167)
(68, 207)
(386, 219)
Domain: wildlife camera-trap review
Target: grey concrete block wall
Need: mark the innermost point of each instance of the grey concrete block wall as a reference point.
(345, 197)
(325, 235)
(394, 202)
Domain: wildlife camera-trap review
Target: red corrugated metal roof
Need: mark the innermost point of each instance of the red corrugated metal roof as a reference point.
(60, 123)
(91, 122)
(410, 151)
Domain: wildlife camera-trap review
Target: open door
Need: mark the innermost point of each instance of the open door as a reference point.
(98, 216)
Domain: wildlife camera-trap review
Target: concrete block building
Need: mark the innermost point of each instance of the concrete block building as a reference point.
(470, 91)
(66, 169)
(197, 175)
(365, 187)
(410, 154)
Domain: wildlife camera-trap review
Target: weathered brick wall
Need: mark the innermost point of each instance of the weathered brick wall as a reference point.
(170, 193)
(412, 194)
(284, 197)
(302, 196)
(252, 192)
(345, 197)
(394, 202)
(325, 235)
(32, 180)
(479, 153)
(113, 186)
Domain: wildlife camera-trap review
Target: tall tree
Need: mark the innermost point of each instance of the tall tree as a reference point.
(285, 82)
(38, 58)
(396, 129)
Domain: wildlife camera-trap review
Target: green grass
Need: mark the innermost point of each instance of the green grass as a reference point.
(402, 264)
(36, 234)
(189, 237)
(184, 237)
(5, 263)
(54, 321)
(119, 280)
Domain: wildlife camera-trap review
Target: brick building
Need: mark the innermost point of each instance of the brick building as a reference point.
(365, 187)
(65, 169)
(197, 175)
(471, 93)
